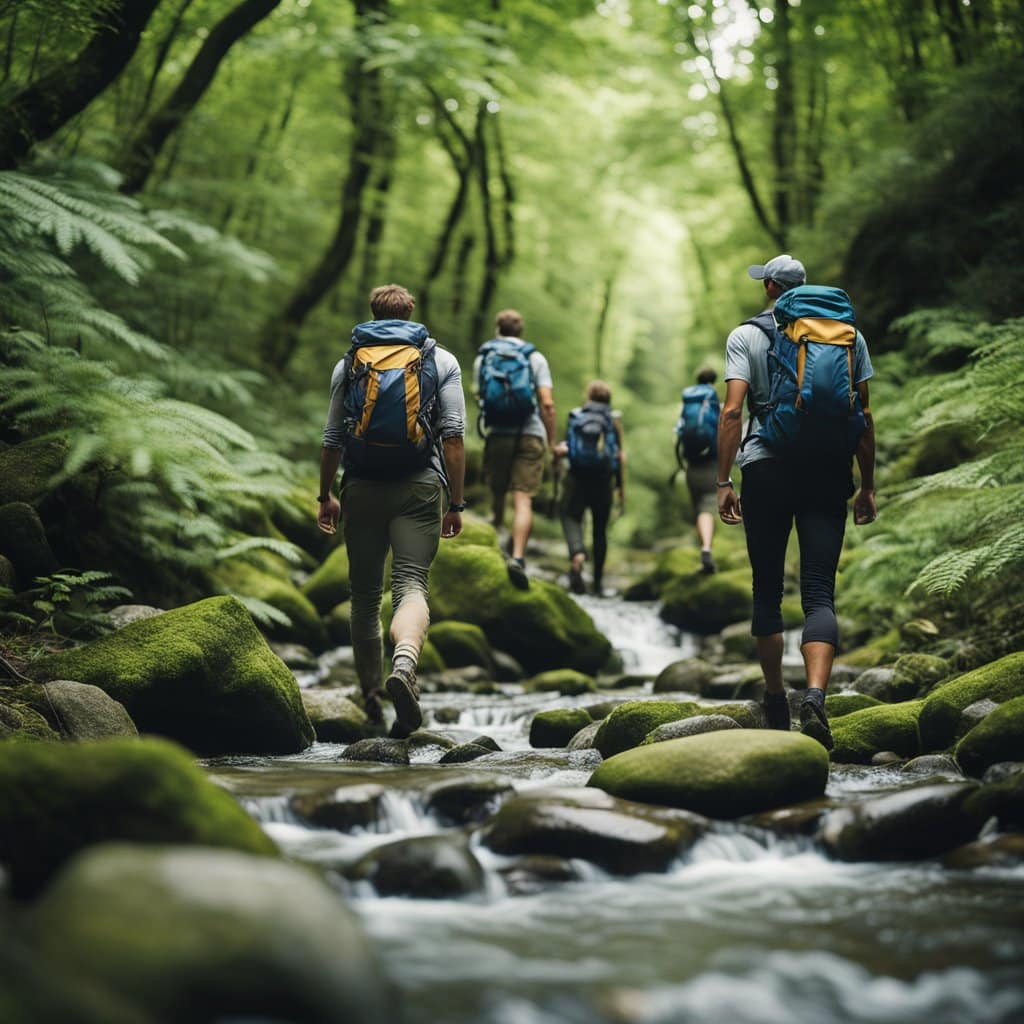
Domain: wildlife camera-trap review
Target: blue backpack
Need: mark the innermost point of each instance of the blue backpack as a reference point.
(813, 407)
(592, 440)
(389, 400)
(505, 386)
(697, 427)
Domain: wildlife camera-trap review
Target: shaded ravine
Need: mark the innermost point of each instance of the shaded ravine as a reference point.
(745, 927)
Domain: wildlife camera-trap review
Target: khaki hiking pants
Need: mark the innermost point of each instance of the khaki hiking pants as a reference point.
(403, 516)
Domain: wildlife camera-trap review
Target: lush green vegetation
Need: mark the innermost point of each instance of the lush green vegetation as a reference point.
(196, 195)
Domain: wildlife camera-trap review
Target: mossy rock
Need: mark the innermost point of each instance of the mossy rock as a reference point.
(556, 727)
(335, 718)
(27, 469)
(461, 644)
(542, 627)
(862, 734)
(23, 541)
(998, 681)
(838, 705)
(338, 624)
(422, 867)
(689, 676)
(201, 674)
(8, 576)
(59, 799)
(792, 613)
(1003, 800)
(20, 722)
(329, 585)
(628, 725)
(998, 737)
(430, 661)
(565, 681)
(880, 651)
(475, 531)
(920, 672)
(707, 604)
(724, 774)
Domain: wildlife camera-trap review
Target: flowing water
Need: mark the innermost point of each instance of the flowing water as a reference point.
(745, 928)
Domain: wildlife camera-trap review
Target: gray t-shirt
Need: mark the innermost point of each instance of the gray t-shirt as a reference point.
(451, 404)
(541, 374)
(746, 358)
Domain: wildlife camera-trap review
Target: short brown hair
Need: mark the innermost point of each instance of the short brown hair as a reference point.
(705, 375)
(510, 323)
(598, 391)
(391, 302)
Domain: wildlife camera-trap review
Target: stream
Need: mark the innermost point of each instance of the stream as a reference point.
(746, 928)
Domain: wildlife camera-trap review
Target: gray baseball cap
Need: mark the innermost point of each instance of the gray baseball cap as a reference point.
(783, 270)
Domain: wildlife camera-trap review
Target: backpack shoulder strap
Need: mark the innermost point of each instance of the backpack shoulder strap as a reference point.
(764, 322)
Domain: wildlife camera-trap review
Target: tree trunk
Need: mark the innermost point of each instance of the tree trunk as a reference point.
(492, 255)
(784, 134)
(378, 210)
(143, 151)
(161, 58)
(461, 275)
(281, 335)
(43, 107)
(12, 31)
(602, 320)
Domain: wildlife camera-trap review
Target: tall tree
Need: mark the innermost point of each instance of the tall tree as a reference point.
(144, 149)
(43, 107)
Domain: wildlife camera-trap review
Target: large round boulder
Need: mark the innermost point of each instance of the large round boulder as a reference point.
(208, 935)
(557, 726)
(997, 737)
(422, 867)
(566, 681)
(861, 734)
(461, 644)
(28, 469)
(202, 674)
(723, 774)
(707, 604)
(335, 718)
(329, 585)
(57, 799)
(86, 712)
(23, 541)
(628, 725)
(689, 675)
(838, 705)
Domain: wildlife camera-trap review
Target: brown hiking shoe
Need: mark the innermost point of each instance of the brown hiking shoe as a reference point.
(403, 691)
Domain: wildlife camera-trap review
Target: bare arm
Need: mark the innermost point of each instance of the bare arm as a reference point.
(330, 508)
(455, 466)
(546, 408)
(864, 508)
(730, 426)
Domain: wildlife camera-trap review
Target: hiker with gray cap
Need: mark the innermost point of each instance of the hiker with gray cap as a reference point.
(802, 368)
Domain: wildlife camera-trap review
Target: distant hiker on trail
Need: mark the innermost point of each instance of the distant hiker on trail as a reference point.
(514, 390)
(396, 422)
(802, 367)
(697, 452)
(593, 445)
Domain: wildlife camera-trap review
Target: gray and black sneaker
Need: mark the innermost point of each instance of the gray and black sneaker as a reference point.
(404, 693)
(517, 573)
(707, 563)
(576, 584)
(814, 722)
(776, 711)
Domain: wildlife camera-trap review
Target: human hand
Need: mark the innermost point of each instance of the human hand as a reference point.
(330, 513)
(452, 524)
(560, 450)
(864, 508)
(621, 496)
(729, 509)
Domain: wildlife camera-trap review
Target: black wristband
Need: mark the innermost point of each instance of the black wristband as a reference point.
(457, 508)
(322, 499)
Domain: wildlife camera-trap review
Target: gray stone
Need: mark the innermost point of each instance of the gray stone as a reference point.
(204, 934)
(876, 682)
(422, 867)
(447, 715)
(801, 819)
(1002, 770)
(335, 718)
(933, 764)
(125, 614)
(737, 643)
(506, 668)
(464, 752)
(688, 675)
(465, 801)
(885, 757)
(483, 740)
(387, 751)
(973, 714)
(691, 727)
(295, 656)
(584, 739)
(1004, 851)
(87, 713)
(535, 872)
(343, 809)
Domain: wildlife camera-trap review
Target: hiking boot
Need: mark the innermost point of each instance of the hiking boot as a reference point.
(517, 573)
(707, 563)
(776, 711)
(403, 691)
(373, 707)
(814, 721)
(598, 588)
(576, 584)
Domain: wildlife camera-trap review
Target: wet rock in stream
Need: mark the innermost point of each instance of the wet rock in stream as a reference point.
(422, 867)
(343, 808)
(381, 749)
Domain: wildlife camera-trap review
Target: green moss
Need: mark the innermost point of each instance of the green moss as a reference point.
(338, 624)
(721, 774)
(8, 577)
(879, 652)
(19, 721)
(201, 674)
(60, 799)
(26, 470)
(628, 725)
(999, 736)
(918, 672)
(707, 604)
(476, 531)
(430, 659)
(839, 704)
(566, 681)
(329, 585)
(541, 627)
(556, 727)
(792, 613)
(998, 681)
(23, 541)
(238, 577)
(461, 644)
(862, 734)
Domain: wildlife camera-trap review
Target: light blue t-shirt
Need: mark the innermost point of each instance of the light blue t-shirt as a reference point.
(746, 358)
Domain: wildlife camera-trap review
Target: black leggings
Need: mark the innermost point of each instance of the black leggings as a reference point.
(583, 491)
(775, 493)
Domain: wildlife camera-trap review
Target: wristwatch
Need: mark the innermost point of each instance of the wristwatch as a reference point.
(724, 483)
(457, 508)
(322, 498)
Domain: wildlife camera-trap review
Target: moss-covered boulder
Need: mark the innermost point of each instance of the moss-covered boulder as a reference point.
(343, 808)
(335, 718)
(430, 661)
(707, 604)
(861, 734)
(463, 753)
(998, 737)
(85, 712)
(723, 774)
(619, 835)
(1003, 800)
(201, 674)
(205, 935)
(555, 728)
(461, 644)
(998, 681)
(20, 722)
(381, 750)
(689, 676)
(338, 624)
(23, 541)
(57, 799)
(27, 469)
(329, 585)
(566, 681)
(542, 627)
(839, 704)
(244, 580)
(920, 672)
(422, 867)
(475, 531)
(628, 725)
(8, 575)
(691, 727)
